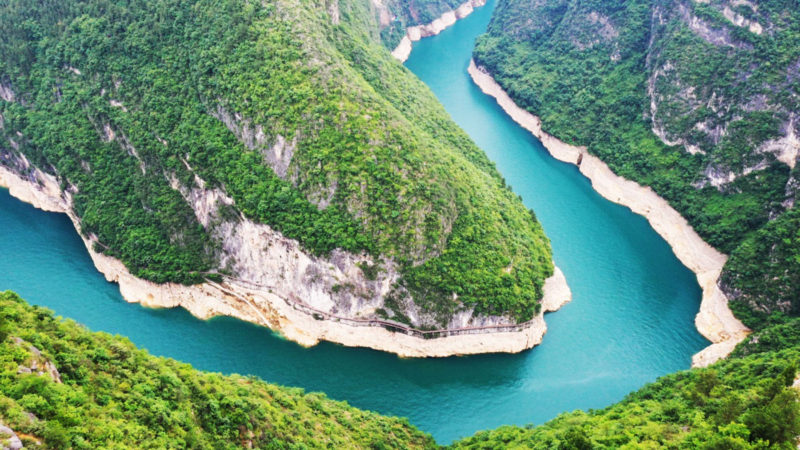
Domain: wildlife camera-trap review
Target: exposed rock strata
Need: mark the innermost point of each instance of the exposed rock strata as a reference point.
(709, 116)
(715, 320)
(415, 33)
(37, 363)
(276, 305)
(9, 439)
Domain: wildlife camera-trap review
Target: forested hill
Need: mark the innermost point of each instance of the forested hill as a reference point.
(62, 386)
(698, 99)
(171, 123)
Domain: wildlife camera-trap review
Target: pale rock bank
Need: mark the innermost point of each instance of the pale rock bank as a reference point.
(415, 33)
(715, 320)
(9, 439)
(263, 300)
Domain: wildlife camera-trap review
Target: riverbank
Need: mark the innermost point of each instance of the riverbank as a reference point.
(415, 33)
(261, 306)
(715, 321)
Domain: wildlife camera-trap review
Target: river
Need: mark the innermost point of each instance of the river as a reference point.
(631, 319)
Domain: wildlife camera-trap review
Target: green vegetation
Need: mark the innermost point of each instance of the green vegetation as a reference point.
(623, 78)
(112, 394)
(766, 267)
(129, 103)
(745, 403)
(783, 333)
(124, 99)
(106, 392)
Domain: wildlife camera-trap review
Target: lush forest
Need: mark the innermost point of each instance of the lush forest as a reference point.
(294, 110)
(63, 386)
(695, 99)
(121, 99)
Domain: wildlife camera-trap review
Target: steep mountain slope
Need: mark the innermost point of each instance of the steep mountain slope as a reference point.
(695, 99)
(65, 387)
(272, 143)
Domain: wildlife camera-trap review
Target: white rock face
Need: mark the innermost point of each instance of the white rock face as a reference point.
(6, 93)
(415, 33)
(740, 21)
(787, 148)
(37, 363)
(658, 128)
(715, 320)
(9, 439)
(403, 50)
(261, 257)
(279, 286)
(333, 11)
(384, 15)
(712, 35)
(602, 30)
(117, 104)
(278, 155)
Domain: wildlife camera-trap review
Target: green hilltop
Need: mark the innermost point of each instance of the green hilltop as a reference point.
(122, 101)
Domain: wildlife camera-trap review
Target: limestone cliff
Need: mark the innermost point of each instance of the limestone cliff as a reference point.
(279, 286)
(271, 145)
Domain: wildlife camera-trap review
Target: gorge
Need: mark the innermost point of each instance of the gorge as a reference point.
(630, 321)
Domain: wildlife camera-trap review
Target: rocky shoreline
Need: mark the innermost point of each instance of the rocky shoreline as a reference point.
(415, 33)
(263, 307)
(715, 321)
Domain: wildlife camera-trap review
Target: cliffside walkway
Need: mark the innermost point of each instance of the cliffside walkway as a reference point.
(318, 314)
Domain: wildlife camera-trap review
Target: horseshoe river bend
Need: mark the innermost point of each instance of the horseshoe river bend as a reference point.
(631, 318)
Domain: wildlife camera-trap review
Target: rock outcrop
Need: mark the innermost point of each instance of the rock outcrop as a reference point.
(281, 287)
(9, 439)
(37, 364)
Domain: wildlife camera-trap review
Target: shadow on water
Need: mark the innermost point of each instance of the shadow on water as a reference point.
(630, 321)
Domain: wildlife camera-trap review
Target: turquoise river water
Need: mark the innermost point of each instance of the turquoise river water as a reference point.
(631, 319)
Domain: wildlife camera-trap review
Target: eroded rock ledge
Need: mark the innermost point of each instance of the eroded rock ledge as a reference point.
(278, 306)
(9, 439)
(415, 33)
(715, 320)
